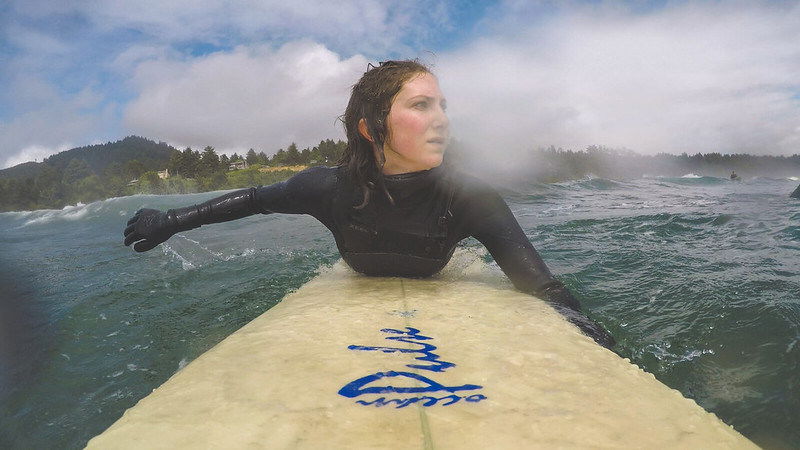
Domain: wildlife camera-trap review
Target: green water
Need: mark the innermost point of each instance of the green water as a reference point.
(697, 278)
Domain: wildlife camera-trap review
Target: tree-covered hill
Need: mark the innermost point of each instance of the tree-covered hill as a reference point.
(100, 157)
(24, 170)
(132, 165)
(558, 164)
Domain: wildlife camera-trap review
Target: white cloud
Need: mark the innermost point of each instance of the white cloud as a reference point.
(354, 25)
(127, 60)
(250, 97)
(691, 77)
(246, 96)
(29, 40)
(688, 76)
(35, 153)
(49, 122)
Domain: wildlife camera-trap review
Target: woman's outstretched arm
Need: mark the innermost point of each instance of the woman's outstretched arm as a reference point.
(301, 194)
(498, 230)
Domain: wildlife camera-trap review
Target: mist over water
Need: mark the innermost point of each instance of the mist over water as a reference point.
(697, 278)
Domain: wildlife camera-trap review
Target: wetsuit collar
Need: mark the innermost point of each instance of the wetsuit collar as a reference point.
(403, 185)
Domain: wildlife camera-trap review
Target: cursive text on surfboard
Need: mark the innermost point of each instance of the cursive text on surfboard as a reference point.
(423, 351)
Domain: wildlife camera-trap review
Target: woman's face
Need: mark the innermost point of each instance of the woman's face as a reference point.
(418, 128)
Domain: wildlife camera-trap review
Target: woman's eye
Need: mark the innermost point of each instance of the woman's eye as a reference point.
(421, 105)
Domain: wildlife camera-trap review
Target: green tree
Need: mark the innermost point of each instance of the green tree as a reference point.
(175, 163)
(151, 183)
(251, 158)
(75, 170)
(89, 189)
(279, 158)
(133, 169)
(330, 152)
(5, 196)
(49, 187)
(179, 185)
(115, 169)
(185, 163)
(191, 162)
(18, 196)
(292, 155)
(209, 162)
(305, 156)
(215, 181)
(243, 178)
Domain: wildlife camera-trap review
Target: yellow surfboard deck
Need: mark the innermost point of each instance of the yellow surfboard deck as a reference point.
(461, 361)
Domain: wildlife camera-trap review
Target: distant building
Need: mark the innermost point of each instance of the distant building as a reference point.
(296, 168)
(163, 174)
(133, 182)
(238, 165)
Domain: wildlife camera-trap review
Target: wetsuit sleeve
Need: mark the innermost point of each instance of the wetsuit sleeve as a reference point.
(495, 226)
(304, 193)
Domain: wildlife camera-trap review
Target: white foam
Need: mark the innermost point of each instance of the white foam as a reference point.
(216, 255)
(692, 354)
(554, 210)
(70, 213)
(245, 253)
(691, 175)
(185, 264)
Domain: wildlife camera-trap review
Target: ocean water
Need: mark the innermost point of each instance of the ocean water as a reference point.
(698, 278)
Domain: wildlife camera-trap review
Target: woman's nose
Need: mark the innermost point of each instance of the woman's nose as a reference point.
(441, 120)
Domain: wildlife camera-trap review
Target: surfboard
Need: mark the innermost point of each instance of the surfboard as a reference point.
(459, 361)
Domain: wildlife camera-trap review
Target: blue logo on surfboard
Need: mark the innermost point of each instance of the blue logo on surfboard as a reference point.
(381, 383)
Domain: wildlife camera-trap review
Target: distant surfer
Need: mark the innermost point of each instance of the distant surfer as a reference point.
(394, 209)
(734, 176)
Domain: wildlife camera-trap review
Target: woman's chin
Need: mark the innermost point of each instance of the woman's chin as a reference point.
(430, 163)
(391, 169)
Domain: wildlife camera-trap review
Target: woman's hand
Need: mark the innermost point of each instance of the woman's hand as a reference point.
(591, 328)
(148, 228)
(562, 299)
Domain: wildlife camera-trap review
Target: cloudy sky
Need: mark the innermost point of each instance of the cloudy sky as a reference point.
(649, 76)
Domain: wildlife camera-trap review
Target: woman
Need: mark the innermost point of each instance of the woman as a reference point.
(393, 208)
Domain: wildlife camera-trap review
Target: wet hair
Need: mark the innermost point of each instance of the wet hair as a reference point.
(371, 100)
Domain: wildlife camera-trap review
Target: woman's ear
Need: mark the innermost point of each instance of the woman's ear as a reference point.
(362, 129)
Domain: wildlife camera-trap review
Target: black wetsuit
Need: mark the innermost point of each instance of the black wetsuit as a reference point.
(433, 210)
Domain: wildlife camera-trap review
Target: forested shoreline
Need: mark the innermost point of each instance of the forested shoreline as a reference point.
(89, 175)
(132, 165)
(552, 165)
